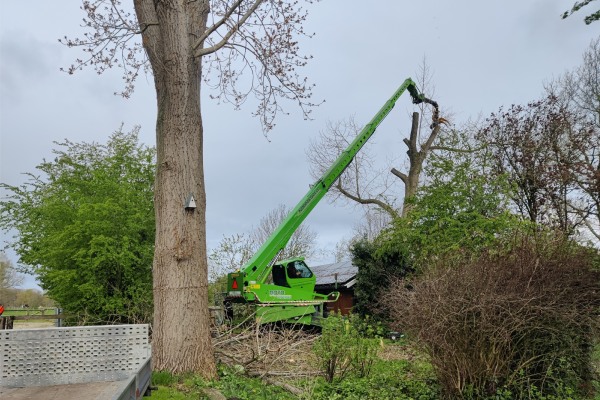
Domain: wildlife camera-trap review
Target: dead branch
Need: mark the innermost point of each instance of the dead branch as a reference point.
(265, 351)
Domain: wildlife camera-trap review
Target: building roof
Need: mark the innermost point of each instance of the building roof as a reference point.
(344, 273)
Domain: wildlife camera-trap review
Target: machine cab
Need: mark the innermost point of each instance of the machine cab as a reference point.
(292, 273)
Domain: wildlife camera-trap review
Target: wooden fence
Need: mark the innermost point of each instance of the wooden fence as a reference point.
(7, 321)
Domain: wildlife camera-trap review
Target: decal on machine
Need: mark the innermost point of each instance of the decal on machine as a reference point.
(280, 294)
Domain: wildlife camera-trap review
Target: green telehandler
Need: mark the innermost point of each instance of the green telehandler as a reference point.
(283, 290)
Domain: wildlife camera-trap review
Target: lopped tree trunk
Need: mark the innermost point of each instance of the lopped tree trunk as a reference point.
(416, 158)
(181, 340)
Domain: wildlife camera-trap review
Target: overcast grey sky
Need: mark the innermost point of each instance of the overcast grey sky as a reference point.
(483, 54)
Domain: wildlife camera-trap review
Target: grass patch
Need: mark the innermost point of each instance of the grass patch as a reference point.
(169, 393)
(26, 311)
(389, 379)
(231, 383)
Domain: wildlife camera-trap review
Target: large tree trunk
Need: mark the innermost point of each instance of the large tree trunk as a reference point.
(181, 339)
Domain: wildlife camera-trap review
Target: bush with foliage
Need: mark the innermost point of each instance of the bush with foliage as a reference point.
(376, 269)
(85, 224)
(342, 349)
(520, 318)
(460, 209)
(389, 380)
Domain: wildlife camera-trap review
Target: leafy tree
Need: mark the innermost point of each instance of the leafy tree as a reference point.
(85, 225)
(579, 91)
(537, 147)
(595, 16)
(377, 268)
(182, 43)
(9, 278)
(461, 208)
(33, 298)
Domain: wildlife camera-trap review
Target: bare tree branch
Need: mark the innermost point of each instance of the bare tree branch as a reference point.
(400, 175)
(389, 209)
(204, 51)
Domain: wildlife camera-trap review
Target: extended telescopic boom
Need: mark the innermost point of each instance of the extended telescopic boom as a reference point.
(258, 267)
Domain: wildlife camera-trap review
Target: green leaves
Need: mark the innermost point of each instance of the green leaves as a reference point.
(342, 349)
(461, 209)
(85, 224)
(577, 6)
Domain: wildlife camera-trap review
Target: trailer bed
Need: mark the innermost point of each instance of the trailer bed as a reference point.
(89, 391)
(99, 362)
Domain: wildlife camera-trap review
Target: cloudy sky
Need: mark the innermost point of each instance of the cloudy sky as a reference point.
(483, 54)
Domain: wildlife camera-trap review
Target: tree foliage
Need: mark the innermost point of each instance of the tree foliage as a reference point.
(595, 16)
(32, 298)
(461, 208)
(377, 268)
(548, 149)
(540, 147)
(85, 225)
(238, 39)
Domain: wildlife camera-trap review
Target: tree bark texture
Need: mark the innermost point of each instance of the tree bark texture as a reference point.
(181, 340)
(416, 159)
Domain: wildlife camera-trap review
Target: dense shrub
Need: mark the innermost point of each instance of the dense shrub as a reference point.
(377, 268)
(518, 319)
(86, 226)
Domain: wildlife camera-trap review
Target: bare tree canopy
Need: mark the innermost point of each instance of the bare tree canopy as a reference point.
(579, 92)
(247, 48)
(363, 182)
(234, 251)
(9, 278)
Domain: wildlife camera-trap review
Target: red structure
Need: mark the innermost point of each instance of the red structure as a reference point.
(339, 277)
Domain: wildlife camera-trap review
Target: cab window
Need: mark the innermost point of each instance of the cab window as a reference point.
(279, 276)
(297, 269)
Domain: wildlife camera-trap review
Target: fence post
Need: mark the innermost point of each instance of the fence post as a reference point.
(9, 321)
(58, 323)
